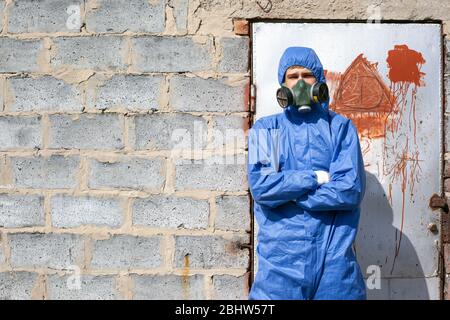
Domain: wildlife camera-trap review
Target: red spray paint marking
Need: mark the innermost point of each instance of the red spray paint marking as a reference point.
(405, 76)
(361, 95)
(375, 108)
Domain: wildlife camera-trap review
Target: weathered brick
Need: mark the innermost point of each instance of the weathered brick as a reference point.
(168, 287)
(197, 94)
(217, 173)
(230, 131)
(21, 210)
(135, 173)
(69, 212)
(19, 55)
(171, 54)
(87, 131)
(447, 185)
(447, 169)
(44, 16)
(135, 92)
(88, 288)
(44, 93)
(123, 15)
(16, 285)
(233, 213)
(125, 251)
(56, 171)
(55, 251)
(241, 27)
(96, 53)
(18, 132)
(171, 212)
(228, 287)
(169, 131)
(235, 53)
(206, 252)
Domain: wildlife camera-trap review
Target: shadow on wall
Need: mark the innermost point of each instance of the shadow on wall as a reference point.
(402, 276)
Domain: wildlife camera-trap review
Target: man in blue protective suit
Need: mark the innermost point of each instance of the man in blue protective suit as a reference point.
(306, 176)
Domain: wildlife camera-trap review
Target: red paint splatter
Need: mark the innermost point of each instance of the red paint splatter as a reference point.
(404, 65)
(377, 109)
(405, 76)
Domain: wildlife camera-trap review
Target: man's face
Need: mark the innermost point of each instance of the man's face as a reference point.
(295, 73)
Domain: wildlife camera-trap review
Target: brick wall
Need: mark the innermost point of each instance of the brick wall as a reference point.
(113, 120)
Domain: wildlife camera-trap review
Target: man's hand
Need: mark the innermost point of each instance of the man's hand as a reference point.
(322, 177)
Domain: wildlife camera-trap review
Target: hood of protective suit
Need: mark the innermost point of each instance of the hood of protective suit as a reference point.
(307, 58)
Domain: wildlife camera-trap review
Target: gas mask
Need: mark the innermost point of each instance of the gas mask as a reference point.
(302, 95)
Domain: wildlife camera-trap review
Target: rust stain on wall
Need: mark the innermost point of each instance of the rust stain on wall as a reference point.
(185, 277)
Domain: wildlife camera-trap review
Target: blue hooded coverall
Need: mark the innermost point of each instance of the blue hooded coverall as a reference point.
(306, 231)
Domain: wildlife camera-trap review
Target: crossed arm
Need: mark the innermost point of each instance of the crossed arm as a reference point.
(344, 191)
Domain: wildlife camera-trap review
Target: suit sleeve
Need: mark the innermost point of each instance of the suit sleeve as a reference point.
(346, 187)
(268, 185)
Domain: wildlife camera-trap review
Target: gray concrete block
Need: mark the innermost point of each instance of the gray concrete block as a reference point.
(235, 55)
(170, 212)
(20, 132)
(96, 53)
(447, 58)
(180, 13)
(69, 212)
(2, 7)
(56, 171)
(447, 92)
(132, 173)
(227, 287)
(171, 54)
(44, 16)
(206, 95)
(86, 288)
(169, 131)
(126, 251)
(16, 285)
(447, 136)
(209, 252)
(168, 287)
(230, 132)
(134, 92)
(123, 15)
(44, 93)
(233, 213)
(216, 173)
(21, 210)
(46, 250)
(99, 131)
(19, 55)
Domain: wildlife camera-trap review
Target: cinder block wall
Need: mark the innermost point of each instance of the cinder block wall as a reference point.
(96, 174)
(100, 114)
